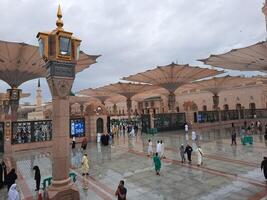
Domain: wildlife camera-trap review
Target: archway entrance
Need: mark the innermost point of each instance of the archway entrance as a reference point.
(100, 125)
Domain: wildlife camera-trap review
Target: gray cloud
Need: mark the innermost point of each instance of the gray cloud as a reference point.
(134, 36)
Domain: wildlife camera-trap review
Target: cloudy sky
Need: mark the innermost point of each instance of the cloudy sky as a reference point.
(135, 35)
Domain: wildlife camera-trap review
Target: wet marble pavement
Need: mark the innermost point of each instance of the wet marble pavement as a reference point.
(229, 172)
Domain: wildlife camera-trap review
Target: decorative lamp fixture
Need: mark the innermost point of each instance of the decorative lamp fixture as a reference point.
(59, 44)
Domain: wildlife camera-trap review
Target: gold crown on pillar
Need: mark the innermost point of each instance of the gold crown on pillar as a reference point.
(59, 45)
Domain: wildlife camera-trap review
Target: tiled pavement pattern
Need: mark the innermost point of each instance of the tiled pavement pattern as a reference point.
(229, 172)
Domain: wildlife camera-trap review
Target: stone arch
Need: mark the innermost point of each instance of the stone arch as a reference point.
(238, 106)
(252, 106)
(226, 107)
(100, 125)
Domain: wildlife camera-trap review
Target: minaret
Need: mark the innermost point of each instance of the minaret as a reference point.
(264, 10)
(39, 95)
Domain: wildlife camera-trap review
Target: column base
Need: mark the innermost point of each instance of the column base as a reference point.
(62, 190)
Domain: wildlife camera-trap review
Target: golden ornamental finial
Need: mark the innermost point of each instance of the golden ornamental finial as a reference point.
(59, 20)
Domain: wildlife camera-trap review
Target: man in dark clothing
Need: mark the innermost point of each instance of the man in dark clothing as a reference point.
(3, 174)
(11, 178)
(264, 166)
(188, 151)
(37, 177)
(121, 191)
(233, 135)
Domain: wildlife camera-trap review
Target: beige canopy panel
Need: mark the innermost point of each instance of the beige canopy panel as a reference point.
(149, 94)
(116, 99)
(217, 84)
(20, 62)
(127, 90)
(96, 93)
(251, 58)
(172, 76)
(82, 100)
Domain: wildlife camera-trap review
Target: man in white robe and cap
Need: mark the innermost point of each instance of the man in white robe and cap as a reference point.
(199, 156)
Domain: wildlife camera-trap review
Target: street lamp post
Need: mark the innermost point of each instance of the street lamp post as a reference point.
(60, 51)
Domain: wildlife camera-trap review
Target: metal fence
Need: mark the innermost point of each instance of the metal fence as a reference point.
(226, 115)
(41, 130)
(169, 121)
(31, 131)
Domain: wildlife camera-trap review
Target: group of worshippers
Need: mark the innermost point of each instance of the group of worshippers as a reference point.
(160, 148)
(105, 139)
(188, 150)
(9, 180)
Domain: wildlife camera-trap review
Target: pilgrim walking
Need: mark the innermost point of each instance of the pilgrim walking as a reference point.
(188, 151)
(37, 177)
(199, 156)
(73, 142)
(150, 148)
(158, 148)
(3, 174)
(13, 193)
(157, 163)
(264, 167)
(11, 178)
(182, 152)
(85, 171)
(162, 155)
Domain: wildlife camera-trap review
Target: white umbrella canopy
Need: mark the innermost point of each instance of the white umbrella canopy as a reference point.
(251, 58)
(173, 76)
(217, 84)
(20, 62)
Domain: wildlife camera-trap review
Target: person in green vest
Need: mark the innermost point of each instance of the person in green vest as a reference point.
(157, 163)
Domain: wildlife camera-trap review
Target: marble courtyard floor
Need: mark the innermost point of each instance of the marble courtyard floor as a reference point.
(229, 172)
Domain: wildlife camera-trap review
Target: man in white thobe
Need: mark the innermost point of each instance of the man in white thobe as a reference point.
(199, 156)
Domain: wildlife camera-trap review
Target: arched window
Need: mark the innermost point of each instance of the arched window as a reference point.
(252, 106)
(204, 108)
(238, 106)
(225, 107)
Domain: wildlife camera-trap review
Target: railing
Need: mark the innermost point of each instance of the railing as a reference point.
(41, 130)
(226, 115)
(207, 116)
(31, 131)
(169, 121)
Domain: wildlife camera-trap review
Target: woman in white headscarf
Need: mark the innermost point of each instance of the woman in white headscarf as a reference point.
(13, 194)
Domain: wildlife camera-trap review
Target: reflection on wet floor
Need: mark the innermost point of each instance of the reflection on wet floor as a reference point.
(229, 172)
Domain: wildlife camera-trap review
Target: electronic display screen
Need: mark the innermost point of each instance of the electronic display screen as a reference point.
(77, 127)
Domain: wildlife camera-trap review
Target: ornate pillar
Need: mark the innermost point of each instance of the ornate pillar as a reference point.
(215, 99)
(81, 109)
(60, 88)
(129, 106)
(60, 51)
(151, 113)
(171, 102)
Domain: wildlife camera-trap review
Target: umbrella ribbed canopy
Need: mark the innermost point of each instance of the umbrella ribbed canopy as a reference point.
(20, 62)
(251, 58)
(217, 84)
(172, 76)
(96, 93)
(127, 90)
